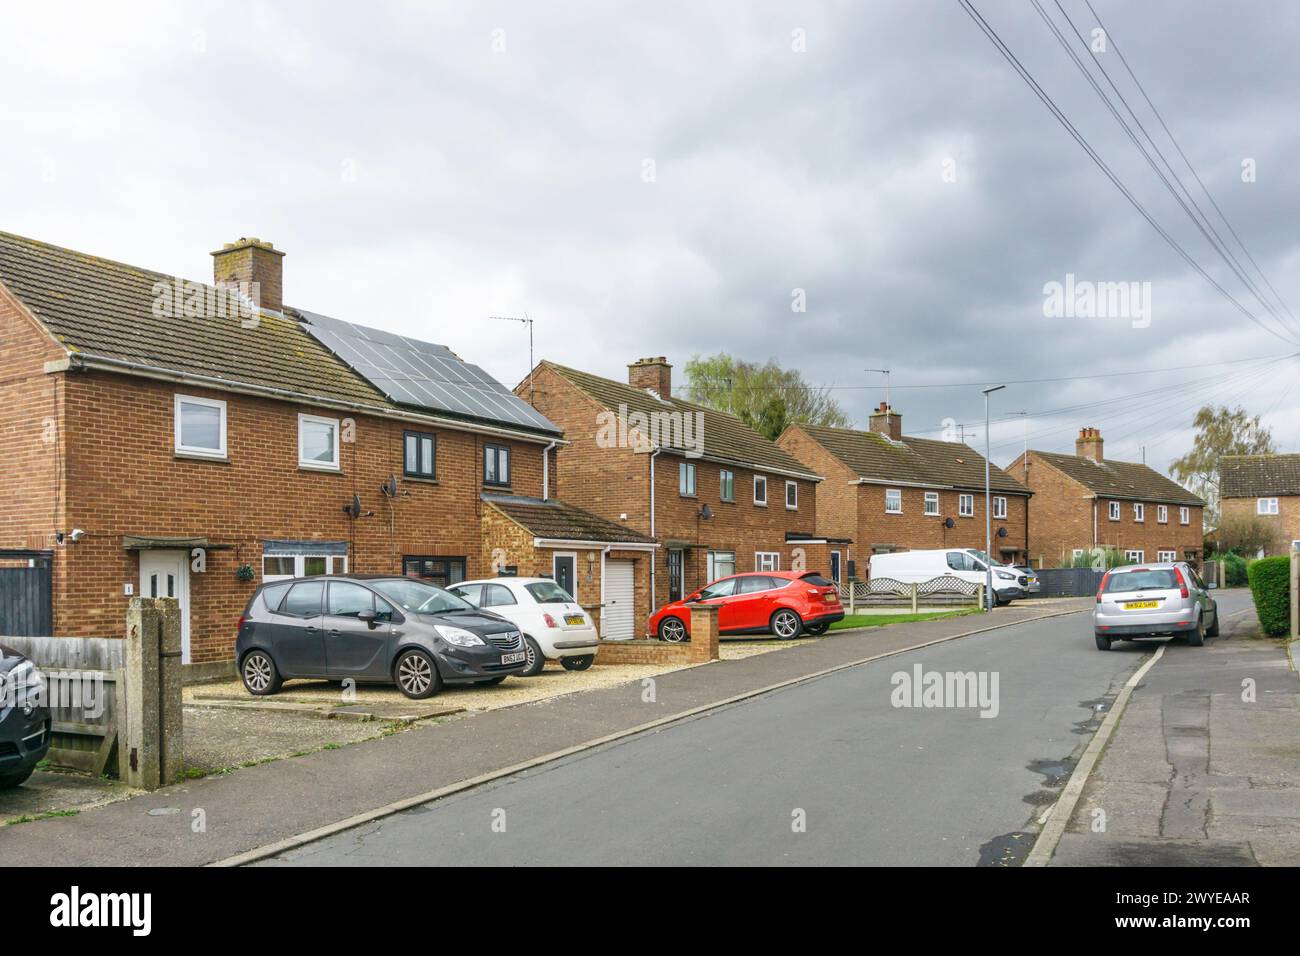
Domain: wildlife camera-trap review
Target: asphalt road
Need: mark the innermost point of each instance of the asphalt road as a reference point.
(872, 783)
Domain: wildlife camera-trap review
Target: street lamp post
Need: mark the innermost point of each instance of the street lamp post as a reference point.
(988, 512)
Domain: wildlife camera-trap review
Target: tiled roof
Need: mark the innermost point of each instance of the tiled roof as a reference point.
(1254, 476)
(548, 518)
(875, 457)
(725, 437)
(97, 307)
(1120, 479)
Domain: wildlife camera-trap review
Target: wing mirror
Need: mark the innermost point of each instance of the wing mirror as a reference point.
(693, 597)
(370, 617)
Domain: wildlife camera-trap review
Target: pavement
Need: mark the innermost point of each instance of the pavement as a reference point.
(1204, 766)
(262, 804)
(827, 772)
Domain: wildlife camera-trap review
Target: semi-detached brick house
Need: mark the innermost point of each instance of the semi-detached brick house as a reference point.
(1085, 501)
(718, 497)
(188, 448)
(891, 492)
(1264, 488)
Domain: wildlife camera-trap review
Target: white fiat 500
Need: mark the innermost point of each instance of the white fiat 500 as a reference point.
(553, 624)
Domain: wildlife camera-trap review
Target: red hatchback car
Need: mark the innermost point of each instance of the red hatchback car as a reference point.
(784, 603)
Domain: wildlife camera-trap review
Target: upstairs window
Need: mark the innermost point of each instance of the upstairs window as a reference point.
(496, 465)
(1114, 511)
(966, 506)
(1266, 506)
(686, 479)
(893, 501)
(1162, 514)
(760, 490)
(932, 503)
(421, 455)
(318, 443)
(726, 488)
(200, 426)
(792, 495)
(1139, 511)
(1184, 515)
(999, 507)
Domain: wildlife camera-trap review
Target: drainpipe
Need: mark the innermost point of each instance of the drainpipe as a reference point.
(1094, 521)
(546, 472)
(653, 593)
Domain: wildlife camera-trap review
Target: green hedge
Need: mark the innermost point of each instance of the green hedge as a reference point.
(1234, 570)
(1269, 586)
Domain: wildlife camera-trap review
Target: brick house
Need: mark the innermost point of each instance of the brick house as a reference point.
(716, 496)
(1085, 501)
(197, 455)
(1265, 488)
(892, 492)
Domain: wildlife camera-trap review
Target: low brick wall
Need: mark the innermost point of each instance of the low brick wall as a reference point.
(645, 651)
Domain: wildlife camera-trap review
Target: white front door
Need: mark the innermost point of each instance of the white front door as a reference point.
(167, 574)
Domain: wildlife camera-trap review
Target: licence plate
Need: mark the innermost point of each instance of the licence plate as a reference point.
(574, 619)
(1138, 605)
(514, 658)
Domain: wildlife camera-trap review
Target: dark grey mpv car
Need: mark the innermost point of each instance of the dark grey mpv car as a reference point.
(372, 630)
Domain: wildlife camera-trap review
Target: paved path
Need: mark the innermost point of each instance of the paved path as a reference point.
(1199, 772)
(260, 805)
(875, 783)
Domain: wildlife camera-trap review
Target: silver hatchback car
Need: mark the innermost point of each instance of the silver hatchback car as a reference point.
(1153, 600)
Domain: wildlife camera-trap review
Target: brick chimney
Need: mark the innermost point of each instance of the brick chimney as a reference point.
(1089, 444)
(887, 422)
(654, 374)
(256, 262)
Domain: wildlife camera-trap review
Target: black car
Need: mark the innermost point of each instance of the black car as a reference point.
(372, 629)
(24, 718)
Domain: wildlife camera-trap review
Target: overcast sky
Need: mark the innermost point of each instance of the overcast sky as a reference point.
(660, 179)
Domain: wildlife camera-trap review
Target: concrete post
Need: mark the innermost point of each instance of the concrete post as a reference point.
(1295, 594)
(853, 595)
(704, 632)
(915, 589)
(979, 594)
(151, 731)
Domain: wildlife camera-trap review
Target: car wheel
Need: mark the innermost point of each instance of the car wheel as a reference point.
(261, 677)
(1196, 638)
(18, 778)
(417, 675)
(1213, 629)
(577, 663)
(536, 659)
(786, 624)
(672, 630)
(1103, 642)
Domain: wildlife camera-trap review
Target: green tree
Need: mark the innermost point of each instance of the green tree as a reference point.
(766, 397)
(1219, 431)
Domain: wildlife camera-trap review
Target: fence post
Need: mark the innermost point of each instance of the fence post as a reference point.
(853, 594)
(979, 596)
(1295, 594)
(152, 744)
(915, 587)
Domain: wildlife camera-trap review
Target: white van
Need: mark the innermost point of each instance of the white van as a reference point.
(915, 567)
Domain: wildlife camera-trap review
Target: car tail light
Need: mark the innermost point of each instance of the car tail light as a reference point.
(1182, 585)
(550, 621)
(243, 618)
(1102, 587)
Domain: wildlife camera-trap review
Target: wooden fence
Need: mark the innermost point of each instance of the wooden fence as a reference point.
(943, 591)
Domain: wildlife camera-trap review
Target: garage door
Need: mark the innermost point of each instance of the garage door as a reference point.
(618, 617)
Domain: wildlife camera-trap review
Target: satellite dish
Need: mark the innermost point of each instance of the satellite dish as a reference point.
(1002, 532)
(706, 513)
(353, 508)
(949, 523)
(389, 487)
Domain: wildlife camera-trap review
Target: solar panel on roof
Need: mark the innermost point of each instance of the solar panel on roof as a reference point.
(422, 374)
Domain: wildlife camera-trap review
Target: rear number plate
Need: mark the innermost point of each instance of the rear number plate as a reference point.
(1138, 605)
(574, 619)
(514, 658)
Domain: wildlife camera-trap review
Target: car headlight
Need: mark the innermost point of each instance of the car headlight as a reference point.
(1006, 577)
(458, 636)
(23, 681)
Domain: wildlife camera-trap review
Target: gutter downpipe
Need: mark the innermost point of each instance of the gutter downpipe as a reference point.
(546, 481)
(653, 558)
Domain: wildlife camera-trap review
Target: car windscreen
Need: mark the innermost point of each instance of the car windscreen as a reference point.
(420, 598)
(548, 592)
(1148, 579)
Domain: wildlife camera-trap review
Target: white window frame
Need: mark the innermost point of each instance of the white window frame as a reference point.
(1139, 512)
(198, 450)
(965, 506)
(1162, 514)
(760, 479)
(312, 464)
(789, 487)
(712, 565)
(1184, 515)
(931, 498)
(1114, 511)
(1166, 557)
(1140, 559)
(725, 474)
(299, 565)
(896, 510)
(686, 479)
(767, 560)
(1266, 506)
(1000, 508)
